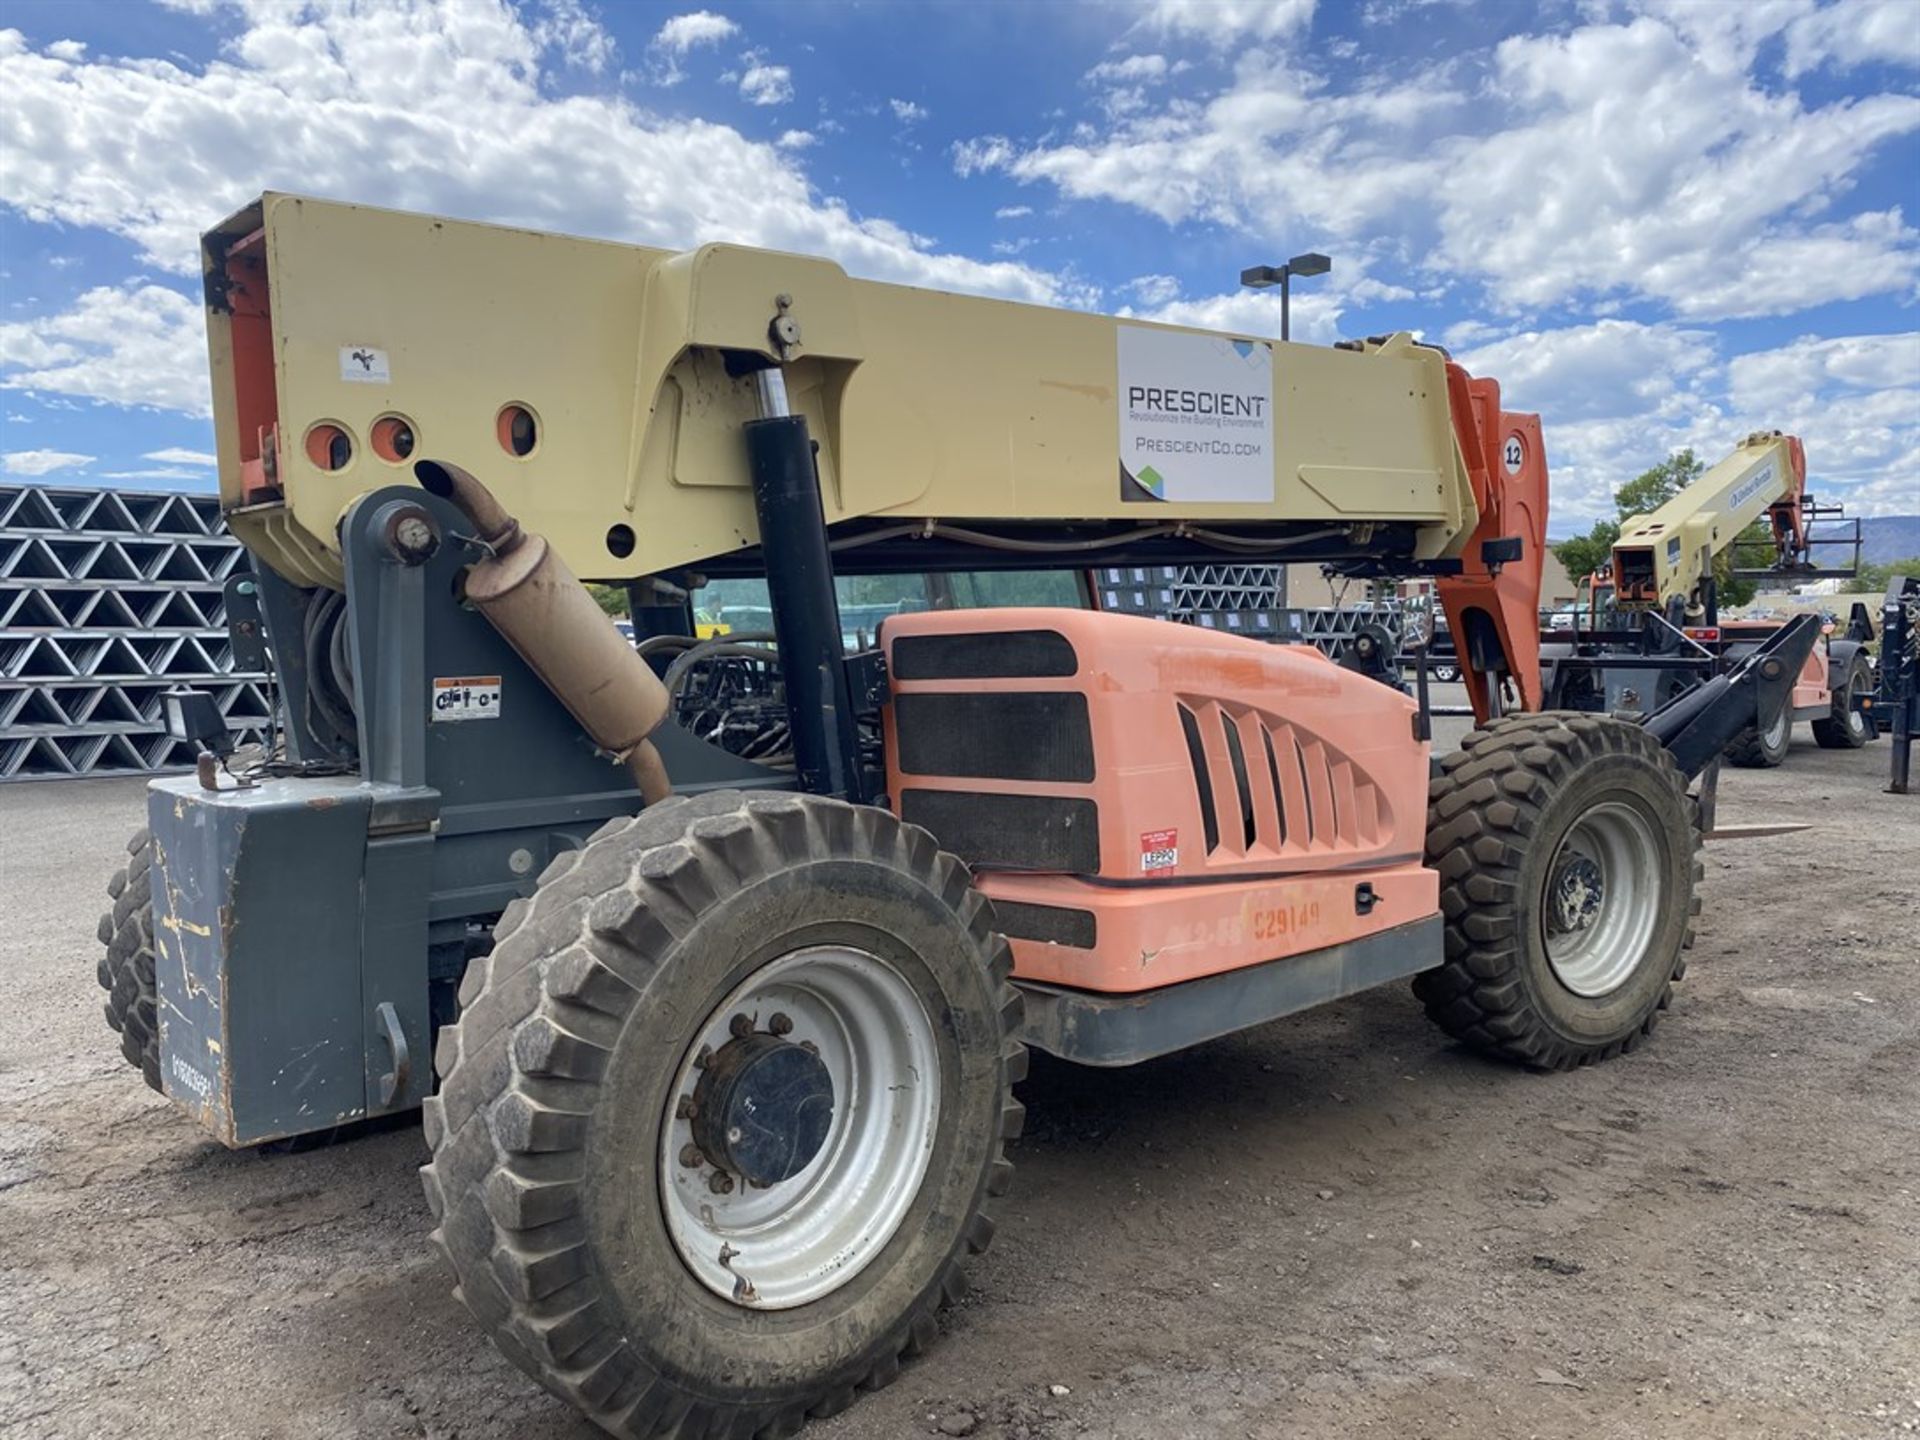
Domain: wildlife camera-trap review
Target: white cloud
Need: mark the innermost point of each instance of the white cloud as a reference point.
(67, 49)
(906, 112)
(1153, 289)
(990, 152)
(1013, 212)
(1608, 368)
(170, 472)
(41, 462)
(565, 27)
(143, 345)
(682, 35)
(1854, 32)
(693, 30)
(414, 106)
(1133, 70)
(1224, 22)
(1645, 159)
(1617, 396)
(796, 139)
(1315, 316)
(175, 455)
(763, 84)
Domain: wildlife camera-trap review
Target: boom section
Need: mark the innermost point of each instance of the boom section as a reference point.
(1669, 554)
(599, 389)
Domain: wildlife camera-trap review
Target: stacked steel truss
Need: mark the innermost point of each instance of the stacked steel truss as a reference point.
(1244, 599)
(107, 599)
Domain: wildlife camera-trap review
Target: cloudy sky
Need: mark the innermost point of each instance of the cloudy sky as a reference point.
(1658, 222)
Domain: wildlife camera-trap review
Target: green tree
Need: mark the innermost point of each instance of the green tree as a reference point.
(1873, 577)
(611, 598)
(1652, 488)
(1584, 554)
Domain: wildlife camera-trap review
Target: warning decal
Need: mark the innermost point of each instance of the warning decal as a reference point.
(466, 697)
(1196, 417)
(1159, 850)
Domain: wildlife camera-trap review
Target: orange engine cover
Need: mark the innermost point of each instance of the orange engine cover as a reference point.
(1146, 802)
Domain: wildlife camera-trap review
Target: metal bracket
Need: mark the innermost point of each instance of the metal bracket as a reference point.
(395, 1080)
(867, 681)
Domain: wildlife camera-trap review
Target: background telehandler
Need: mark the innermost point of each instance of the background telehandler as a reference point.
(728, 951)
(1662, 631)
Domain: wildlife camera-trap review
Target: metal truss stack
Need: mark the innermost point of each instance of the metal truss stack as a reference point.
(107, 599)
(1243, 599)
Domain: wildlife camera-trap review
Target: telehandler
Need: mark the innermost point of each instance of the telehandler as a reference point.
(1665, 632)
(728, 952)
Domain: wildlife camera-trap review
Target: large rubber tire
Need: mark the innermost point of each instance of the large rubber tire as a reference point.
(1499, 813)
(556, 1079)
(1846, 728)
(126, 970)
(1757, 749)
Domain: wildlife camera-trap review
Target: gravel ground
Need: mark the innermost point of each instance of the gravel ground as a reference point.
(1337, 1224)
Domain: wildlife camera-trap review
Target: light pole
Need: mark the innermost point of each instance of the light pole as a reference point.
(1261, 276)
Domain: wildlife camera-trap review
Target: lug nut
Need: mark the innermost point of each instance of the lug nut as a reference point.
(740, 1026)
(691, 1157)
(683, 1108)
(809, 1047)
(720, 1183)
(700, 1060)
(781, 1023)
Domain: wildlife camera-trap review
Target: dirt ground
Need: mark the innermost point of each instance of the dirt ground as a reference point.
(1335, 1225)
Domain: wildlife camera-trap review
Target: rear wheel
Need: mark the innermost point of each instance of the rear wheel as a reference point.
(1568, 865)
(125, 971)
(723, 1111)
(1757, 749)
(1846, 727)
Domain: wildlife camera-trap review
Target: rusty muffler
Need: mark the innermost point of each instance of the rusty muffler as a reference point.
(543, 611)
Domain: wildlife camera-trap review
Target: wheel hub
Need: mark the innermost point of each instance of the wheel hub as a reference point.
(1578, 892)
(800, 1126)
(763, 1108)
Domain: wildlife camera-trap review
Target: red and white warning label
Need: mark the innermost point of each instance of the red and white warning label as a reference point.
(1159, 850)
(466, 697)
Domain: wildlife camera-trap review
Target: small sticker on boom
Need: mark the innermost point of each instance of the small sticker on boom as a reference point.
(1159, 850)
(466, 697)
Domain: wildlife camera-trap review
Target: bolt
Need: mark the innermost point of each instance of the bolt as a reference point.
(740, 1027)
(733, 1135)
(691, 1157)
(683, 1109)
(781, 1023)
(809, 1047)
(720, 1183)
(700, 1060)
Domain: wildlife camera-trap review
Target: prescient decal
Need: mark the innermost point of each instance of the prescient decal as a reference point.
(1196, 417)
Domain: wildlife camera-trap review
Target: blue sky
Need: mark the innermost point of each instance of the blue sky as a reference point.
(1658, 222)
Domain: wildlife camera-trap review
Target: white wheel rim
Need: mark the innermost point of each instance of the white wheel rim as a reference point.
(1604, 899)
(1776, 736)
(800, 1239)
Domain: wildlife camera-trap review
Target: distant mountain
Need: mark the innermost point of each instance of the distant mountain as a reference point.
(1889, 537)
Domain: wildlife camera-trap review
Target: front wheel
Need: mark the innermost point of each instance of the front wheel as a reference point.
(1757, 749)
(723, 1112)
(1846, 727)
(125, 970)
(1568, 864)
